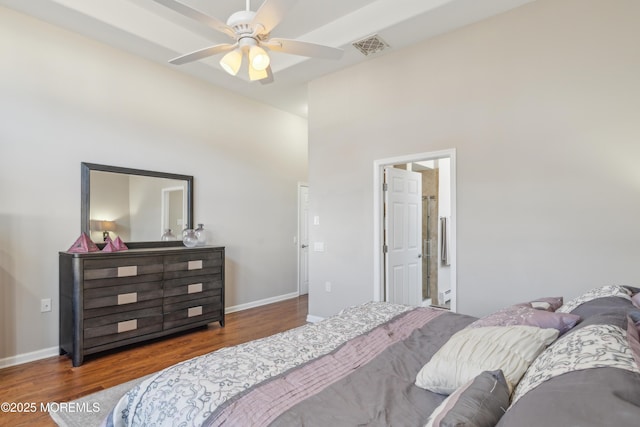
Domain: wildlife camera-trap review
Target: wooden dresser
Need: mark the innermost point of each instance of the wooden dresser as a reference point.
(108, 300)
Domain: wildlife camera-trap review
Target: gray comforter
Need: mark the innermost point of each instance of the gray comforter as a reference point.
(359, 367)
(356, 368)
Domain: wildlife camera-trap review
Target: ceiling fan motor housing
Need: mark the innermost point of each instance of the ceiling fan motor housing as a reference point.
(241, 22)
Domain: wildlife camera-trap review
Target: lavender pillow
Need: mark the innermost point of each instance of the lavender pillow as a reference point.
(633, 335)
(636, 300)
(527, 316)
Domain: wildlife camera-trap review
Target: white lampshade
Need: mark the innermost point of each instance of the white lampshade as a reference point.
(231, 62)
(257, 74)
(258, 58)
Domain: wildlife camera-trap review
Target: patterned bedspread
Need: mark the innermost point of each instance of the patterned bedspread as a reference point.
(219, 387)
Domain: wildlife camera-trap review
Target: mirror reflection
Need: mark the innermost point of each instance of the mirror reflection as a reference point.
(136, 205)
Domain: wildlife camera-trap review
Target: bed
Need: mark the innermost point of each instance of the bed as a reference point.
(534, 363)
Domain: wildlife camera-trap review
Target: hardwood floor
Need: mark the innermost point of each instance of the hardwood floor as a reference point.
(55, 380)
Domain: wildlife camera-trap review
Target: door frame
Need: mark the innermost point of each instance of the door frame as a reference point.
(297, 240)
(378, 218)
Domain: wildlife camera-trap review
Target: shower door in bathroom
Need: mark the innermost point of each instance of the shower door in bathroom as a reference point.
(430, 247)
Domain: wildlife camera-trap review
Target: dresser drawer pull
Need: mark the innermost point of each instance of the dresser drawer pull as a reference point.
(129, 325)
(194, 288)
(195, 265)
(194, 311)
(127, 298)
(127, 271)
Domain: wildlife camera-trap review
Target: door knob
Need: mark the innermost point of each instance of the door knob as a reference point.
(419, 255)
(304, 246)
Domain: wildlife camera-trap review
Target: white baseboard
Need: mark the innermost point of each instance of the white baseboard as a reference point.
(314, 319)
(258, 303)
(19, 359)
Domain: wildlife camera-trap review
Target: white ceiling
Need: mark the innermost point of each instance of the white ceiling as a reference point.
(153, 31)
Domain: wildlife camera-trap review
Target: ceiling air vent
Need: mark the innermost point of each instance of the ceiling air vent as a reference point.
(370, 45)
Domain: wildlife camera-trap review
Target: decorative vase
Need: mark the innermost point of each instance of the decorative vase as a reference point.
(201, 235)
(189, 238)
(167, 236)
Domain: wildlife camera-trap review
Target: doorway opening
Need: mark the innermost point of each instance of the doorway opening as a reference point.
(433, 278)
(173, 210)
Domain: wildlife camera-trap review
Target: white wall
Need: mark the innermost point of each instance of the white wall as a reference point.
(65, 99)
(541, 104)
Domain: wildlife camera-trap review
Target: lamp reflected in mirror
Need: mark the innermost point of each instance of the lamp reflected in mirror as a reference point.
(104, 226)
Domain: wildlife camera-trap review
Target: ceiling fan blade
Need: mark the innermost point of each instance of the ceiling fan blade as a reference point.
(192, 13)
(297, 47)
(271, 13)
(203, 53)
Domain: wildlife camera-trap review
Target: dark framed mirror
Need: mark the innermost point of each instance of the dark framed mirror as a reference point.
(136, 205)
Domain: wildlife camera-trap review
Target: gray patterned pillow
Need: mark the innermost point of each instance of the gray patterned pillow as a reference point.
(480, 402)
(601, 292)
(601, 343)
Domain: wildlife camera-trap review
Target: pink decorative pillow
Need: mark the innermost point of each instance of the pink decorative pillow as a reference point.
(523, 315)
(546, 304)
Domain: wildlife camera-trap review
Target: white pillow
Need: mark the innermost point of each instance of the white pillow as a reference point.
(471, 351)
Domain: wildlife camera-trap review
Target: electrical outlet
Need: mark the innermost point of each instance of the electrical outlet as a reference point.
(327, 286)
(45, 305)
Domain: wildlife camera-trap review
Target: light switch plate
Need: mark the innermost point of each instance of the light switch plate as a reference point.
(318, 246)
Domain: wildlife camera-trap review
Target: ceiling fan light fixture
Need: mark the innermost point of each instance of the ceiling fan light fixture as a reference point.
(258, 58)
(257, 74)
(231, 61)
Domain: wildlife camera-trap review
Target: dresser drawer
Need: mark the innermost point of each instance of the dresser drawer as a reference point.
(193, 286)
(170, 303)
(127, 267)
(113, 309)
(120, 326)
(209, 310)
(118, 281)
(193, 264)
(122, 295)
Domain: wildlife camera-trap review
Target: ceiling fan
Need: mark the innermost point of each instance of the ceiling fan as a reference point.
(251, 34)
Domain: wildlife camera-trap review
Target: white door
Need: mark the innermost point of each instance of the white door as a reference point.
(403, 225)
(303, 239)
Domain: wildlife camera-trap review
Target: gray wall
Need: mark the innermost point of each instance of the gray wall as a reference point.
(541, 104)
(66, 99)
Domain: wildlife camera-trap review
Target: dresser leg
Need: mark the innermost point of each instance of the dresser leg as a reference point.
(77, 360)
